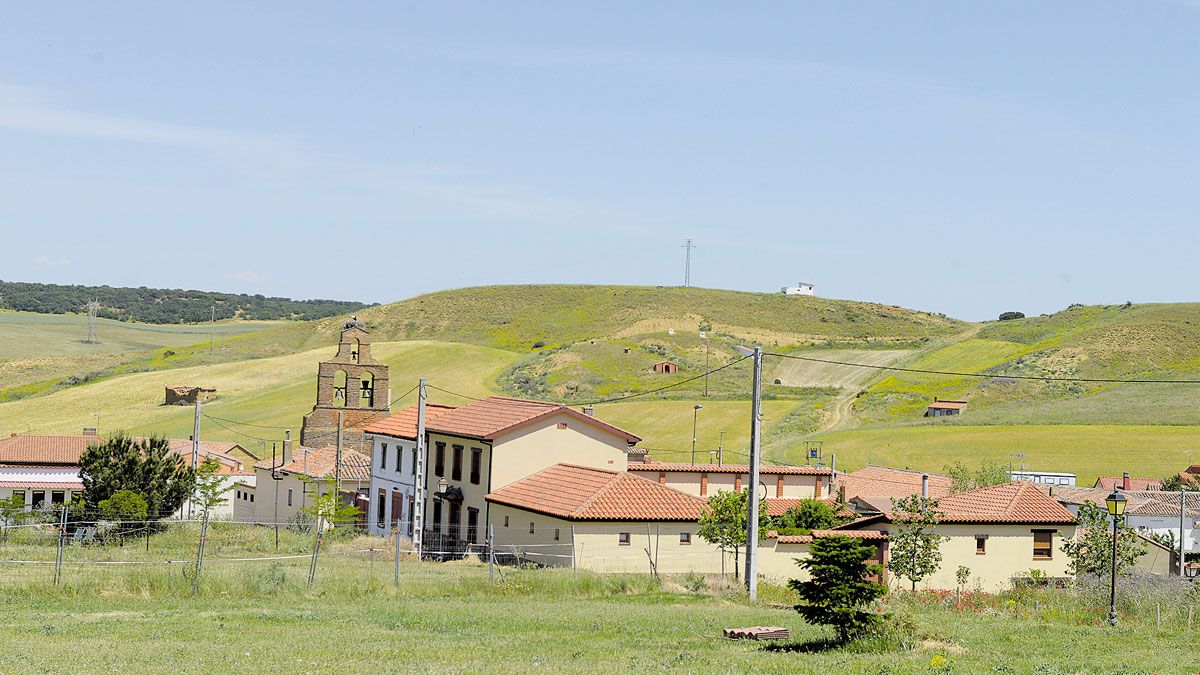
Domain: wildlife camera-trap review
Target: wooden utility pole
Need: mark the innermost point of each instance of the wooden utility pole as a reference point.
(752, 516)
(195, 451)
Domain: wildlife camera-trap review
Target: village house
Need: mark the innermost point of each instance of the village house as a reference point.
(1044, 477)
(44, 469)
(283, 489)
(801, 288)
(704, 480)
(666, 367)
(393, 442)
(871, 489)
(944, 408)
(1126, 483)
(188, 395)
(477, 448)
(602, 520)
(1152, 513)
(997, 532)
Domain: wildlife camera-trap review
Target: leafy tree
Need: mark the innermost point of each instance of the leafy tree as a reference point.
(808, 515)
(1175, 483)
(144, 466)
(838, 591)
(1090, 551)
(1009, 316)
(986, 474)
(723, 522)
(211, 487)
(915, 547)
(327, 508)
(128, 508)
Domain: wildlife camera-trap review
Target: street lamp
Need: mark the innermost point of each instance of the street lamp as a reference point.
(1116, 509)
(695, 414)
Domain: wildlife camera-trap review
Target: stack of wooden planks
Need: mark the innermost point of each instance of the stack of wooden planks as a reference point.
(757, 633)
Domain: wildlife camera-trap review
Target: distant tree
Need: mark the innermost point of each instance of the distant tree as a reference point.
(211, 487)
(838, 592)
(1090, 551)
(1008, 316)
(144, 466)
(808, 515)
(984, 475)
(1175, 483)
(916, 549)
(723, 522)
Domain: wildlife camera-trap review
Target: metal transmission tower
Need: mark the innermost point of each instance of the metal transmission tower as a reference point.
(687, 262)
(92, 307)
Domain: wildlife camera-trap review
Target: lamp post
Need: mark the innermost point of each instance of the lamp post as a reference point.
(695, 415)
(1116, 509)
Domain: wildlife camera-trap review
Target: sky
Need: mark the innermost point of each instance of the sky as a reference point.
(965, 158)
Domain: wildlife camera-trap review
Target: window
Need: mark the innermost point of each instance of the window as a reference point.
(1043, 544)
(414, 463)
(399, 464)
(476, 461)
(1064, 481)
(383, 456)
(380, 516)
(980, 544)
(252, 496)
(289, 496)
(623, 539)
(455, 519)
(397, 509)
(506, 521)
(439, 461)
(19, 493)
(556, 534)
(685, 538)
(39, 498)
(57, 497)
(531, 527)
(472, 524)
(437, 515)
(456, 472)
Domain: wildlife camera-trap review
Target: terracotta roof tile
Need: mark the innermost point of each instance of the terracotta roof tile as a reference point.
(870, 535)
(495, 415)
(32, 450)
(882, 481)
(1114, 482)
(684, 467)
(576, 492)
(403, 424)
(1018, 502)
(947, 405)
(319, 463)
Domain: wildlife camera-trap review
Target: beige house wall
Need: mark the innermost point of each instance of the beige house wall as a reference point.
(1009, 552)
(795, 486)
(777, 562)
(262, 508)
(597, 546)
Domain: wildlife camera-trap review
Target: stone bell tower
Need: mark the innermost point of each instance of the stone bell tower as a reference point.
(352, 383)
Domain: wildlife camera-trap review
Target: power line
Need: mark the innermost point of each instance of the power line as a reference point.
(923, 371)
(218, 420)
(665, 387)
(454, 393)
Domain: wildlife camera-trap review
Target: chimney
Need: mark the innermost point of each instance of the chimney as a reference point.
(287, 446)
(89, 431)
(924, 485)
(589, 411)
(1125, 481)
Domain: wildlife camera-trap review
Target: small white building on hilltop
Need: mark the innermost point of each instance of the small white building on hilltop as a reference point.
(801, 288)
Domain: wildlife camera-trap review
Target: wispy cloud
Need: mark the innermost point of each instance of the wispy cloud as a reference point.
(52, 263)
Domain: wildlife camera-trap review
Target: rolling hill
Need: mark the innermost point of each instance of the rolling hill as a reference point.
(582, 343)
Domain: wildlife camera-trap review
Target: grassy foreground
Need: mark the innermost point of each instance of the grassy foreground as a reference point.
(452, 617)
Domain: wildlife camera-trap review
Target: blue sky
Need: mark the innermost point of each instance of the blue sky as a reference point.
(966, 158)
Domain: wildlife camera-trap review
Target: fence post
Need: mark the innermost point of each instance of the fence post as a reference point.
(62, 535)
(396, 531)
(200, 554)
(574, 564)
(491, 553)
(312, 567)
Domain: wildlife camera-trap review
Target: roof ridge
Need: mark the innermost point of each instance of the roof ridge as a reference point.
(608, 485)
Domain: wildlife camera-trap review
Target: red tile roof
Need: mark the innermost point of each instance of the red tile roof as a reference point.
(319, 463)
(404, 423)
(882, 481)
(575, 492)
(33, 450)
(1114, 482)
(947, 405)
(684, 467)
(496, 415)
(1018, 502)
(777, 506)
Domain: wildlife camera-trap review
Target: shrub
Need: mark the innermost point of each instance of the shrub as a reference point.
(1008, 316)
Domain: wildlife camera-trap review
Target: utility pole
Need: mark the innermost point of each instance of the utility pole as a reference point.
(1182, 511)
(721, 448)
(707, 352)
(752, 516)
(695, 415)
(195, 450)
(687, 263)
(418, 512)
